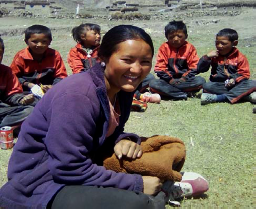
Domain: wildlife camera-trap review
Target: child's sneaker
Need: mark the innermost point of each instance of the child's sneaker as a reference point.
(191, 185)
(208, 98)
(251, 97)
(150, 98)
(138, 105)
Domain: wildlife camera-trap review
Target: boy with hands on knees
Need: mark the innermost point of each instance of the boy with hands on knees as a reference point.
(176, 65)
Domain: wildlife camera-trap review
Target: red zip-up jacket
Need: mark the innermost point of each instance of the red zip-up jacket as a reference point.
(47, 72)
(79, 60)
(10, 87)
(176, 63)
(235, 66)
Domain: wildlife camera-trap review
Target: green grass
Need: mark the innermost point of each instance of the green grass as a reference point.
(219, 142)
(219, 137)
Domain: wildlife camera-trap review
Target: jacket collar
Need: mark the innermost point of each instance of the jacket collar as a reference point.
(80, 48)
(28, 56)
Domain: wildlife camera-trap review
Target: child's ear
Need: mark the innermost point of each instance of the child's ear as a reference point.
(83, 36)
(235, 43)
(186, 37)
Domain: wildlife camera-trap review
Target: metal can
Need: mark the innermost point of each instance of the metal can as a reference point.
(6, 137)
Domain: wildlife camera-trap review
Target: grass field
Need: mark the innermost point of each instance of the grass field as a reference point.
(219, 137)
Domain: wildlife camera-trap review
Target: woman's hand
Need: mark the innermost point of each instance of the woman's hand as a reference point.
(127, 148)
(152, 185)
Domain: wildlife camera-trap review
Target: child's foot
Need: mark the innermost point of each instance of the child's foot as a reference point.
(191, 185)
(138, 105)
(208, 98)
(251, 97)
(150, 98)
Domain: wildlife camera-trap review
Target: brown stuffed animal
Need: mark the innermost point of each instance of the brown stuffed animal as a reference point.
(163, 157)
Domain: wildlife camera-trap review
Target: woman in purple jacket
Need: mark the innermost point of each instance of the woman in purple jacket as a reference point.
(56, 162)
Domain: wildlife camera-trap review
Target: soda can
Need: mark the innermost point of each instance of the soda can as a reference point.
(6, 137)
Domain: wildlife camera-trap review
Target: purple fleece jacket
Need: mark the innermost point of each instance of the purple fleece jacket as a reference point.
(58, 141)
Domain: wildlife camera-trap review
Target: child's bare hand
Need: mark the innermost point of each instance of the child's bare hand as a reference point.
(28, 99)
(45, 88)
(230, 83)
(152, 185)
(213, 53)
(128, 148)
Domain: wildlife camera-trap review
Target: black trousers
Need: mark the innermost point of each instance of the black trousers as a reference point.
(177, 91)
(13, 115)
(234, 94)
(93, 197)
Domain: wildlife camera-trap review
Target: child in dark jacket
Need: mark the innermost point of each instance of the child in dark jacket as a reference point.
(13, 104)
(38, 64)
(176, 64)
(85, 54)
(229, 79)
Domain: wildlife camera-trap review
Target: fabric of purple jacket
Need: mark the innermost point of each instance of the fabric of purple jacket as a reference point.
(58, 142)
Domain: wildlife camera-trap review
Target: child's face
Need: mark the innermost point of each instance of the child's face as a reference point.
(223, 45)
(1, 53)
(38, 43)
(90, 39)
(176, 39)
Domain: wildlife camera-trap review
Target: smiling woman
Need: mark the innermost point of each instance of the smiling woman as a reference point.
(66, 170)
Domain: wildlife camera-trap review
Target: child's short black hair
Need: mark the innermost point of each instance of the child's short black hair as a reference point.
(2, 43)
(174, 26)
(78, 30)
(38, 29)
(230, 33)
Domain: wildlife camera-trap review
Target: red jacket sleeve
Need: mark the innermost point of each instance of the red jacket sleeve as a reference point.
(161, 67)
(243, 69)
(75, 61)
(13, 85)
(61, 71)
(192, 61)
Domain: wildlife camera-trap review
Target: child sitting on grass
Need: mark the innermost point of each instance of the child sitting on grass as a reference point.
(38, 64)
(85, 54)
(13, 104)
(229, 79)
(176, 65)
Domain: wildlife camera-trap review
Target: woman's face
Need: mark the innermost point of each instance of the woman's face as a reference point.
(128, 65)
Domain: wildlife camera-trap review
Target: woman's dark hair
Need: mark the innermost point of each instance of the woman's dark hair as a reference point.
(230, 33)
(120, 34)
(37, 29)
(82, 28)
(175, 26)
(2, 43)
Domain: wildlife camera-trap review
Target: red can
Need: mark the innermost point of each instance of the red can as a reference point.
(6, 137)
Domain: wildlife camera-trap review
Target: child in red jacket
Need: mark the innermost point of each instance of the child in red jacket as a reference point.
(38, 64)
(176, 65)
(85, 54)
(13, 104)
(229, 79)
